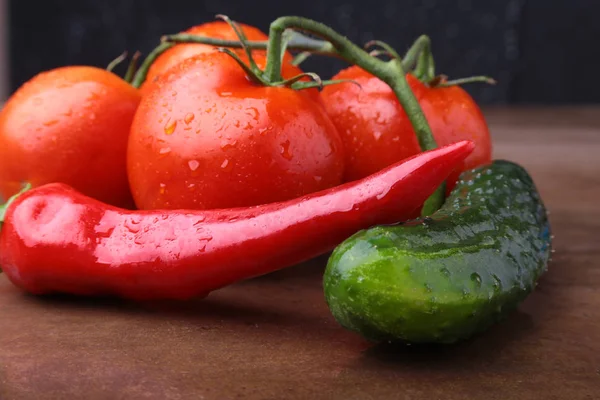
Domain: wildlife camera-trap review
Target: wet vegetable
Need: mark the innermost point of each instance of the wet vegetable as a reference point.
(449, 276)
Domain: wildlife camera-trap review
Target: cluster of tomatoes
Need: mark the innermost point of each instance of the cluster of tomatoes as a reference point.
(198, 134)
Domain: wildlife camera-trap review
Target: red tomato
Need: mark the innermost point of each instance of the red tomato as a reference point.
(205, 137)
(69, 125)
(214, 29)
(376, 131)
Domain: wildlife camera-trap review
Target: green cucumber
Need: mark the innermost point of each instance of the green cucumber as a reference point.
(447, 277)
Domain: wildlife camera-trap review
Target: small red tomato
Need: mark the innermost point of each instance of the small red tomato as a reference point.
(213, 29)
(69, 125)
(376, 131)
(205, 137)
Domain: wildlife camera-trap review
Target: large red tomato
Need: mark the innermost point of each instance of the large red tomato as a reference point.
(69, 125)
(205, 136)
(376, 131)
(213, 29)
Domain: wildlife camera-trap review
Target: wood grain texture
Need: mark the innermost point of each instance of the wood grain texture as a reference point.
(273, 337)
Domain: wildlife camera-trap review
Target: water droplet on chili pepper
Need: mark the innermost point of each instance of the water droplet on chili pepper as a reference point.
(285, 150)
(132, 225)
(170, 126)
(193, 164)
(199, 219)
(189, 117)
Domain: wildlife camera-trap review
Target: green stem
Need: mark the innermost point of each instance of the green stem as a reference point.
(142, 72)
(409, 102)
(471, 79)
(116, 61)
(297, 42)
(425, 68)
(132, 67)
(391, 72)
(422, 44)
(301, 57)
(389, 50)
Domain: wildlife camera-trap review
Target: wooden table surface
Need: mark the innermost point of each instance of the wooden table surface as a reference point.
(274, 338)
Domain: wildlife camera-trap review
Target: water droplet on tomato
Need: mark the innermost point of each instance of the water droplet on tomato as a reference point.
(191, 186)
(318, 178)
(253, 112)
(165, 104)
(285, 150)
(193, 164)
(162, 188)
(189, 117)
(37, 101)
(170, 126)
(51, 122)
(173, 93)
(377, 135)
(68, 113)
(164, 150)
(225, 94)
(226, 144)
(224, 164)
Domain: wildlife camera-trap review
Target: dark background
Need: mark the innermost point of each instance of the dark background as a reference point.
(540, 51)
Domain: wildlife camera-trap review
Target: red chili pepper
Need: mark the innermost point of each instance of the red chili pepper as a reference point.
(55, 239)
